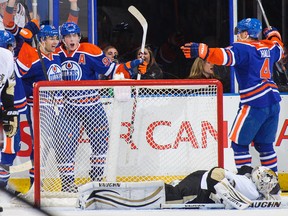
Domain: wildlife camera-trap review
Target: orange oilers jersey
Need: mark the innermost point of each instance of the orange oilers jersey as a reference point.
(29, 68)
(253, 63)
(85, 63)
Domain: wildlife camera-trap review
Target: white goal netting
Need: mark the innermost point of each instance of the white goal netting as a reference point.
(124, 131)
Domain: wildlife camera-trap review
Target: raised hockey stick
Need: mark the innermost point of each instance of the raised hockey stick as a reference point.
(34, 36)
(44, 69)
(269, 27)
(34, 8)
(263, 14)
(141, 19)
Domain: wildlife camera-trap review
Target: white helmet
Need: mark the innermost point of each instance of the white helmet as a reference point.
(264, 178)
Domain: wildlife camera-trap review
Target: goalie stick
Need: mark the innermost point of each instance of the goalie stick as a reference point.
(141, 19)
(255, 204)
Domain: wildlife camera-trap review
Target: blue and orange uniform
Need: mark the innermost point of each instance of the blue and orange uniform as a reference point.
(84, 63)
(258, 115)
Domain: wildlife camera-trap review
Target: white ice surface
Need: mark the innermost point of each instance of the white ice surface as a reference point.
(13, 209)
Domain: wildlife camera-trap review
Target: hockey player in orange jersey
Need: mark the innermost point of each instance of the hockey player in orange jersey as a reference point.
(253, 59)
(85, 61)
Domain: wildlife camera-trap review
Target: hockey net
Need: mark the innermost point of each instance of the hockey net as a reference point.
(131, 131)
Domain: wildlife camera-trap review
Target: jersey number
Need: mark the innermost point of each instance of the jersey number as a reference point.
(265, 71)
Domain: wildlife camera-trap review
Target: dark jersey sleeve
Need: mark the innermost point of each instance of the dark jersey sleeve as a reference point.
(245, 170)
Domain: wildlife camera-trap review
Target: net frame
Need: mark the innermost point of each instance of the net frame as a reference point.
(138, 83)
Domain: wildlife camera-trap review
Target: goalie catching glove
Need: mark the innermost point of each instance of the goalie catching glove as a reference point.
(10, 122)
(194, 50)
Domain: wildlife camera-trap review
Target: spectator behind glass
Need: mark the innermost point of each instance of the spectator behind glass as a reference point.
(202, 70)
(153, 69)
(112, 53)
(280, 72)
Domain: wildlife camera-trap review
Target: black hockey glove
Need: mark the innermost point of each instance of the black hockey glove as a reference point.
(10, 122)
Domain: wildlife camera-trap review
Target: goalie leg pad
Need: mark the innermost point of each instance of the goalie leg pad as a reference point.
(230, 196)
(119, 195)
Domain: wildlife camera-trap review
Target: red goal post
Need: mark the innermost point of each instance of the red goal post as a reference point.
(157, 130)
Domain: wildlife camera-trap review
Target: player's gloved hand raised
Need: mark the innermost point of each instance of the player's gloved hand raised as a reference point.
(194, 50)
(30, 29)
(129, 66)
(20, 9)
(10, 122)
(271, 32)
(142, 68)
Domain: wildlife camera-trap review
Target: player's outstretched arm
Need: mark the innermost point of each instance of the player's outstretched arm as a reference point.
(194, 50)
(8, 18)
(74, 12)
(127, 69)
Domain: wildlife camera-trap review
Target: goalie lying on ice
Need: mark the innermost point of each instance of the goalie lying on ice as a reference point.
(213, 186)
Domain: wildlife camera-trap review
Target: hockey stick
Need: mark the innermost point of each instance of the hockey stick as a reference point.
(38, 49)
(136, 13)
(269, 27)
(193, 206)
(141, 19)
(35, 38)
(34, 8)
(255, 204)
(264, 14)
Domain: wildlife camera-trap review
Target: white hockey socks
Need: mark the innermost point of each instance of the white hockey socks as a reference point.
(230, 196)
(121, 195)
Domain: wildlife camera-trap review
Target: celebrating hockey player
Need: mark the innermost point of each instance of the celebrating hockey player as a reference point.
(203, 186)
(9, 115)
(36, 69)
(257, 118)
(31, 69)
(12, 144)
(85, 61)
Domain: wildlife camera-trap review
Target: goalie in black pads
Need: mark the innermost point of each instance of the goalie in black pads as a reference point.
(217, 185)
(222, 186)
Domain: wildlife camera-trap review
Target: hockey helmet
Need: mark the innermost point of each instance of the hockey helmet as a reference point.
(6, 39)
(69, 28)
(47, 31)
(264, 178)
(252, 25)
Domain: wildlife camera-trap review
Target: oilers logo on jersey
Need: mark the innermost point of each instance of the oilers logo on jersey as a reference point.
(54, 72)
(71, 70)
